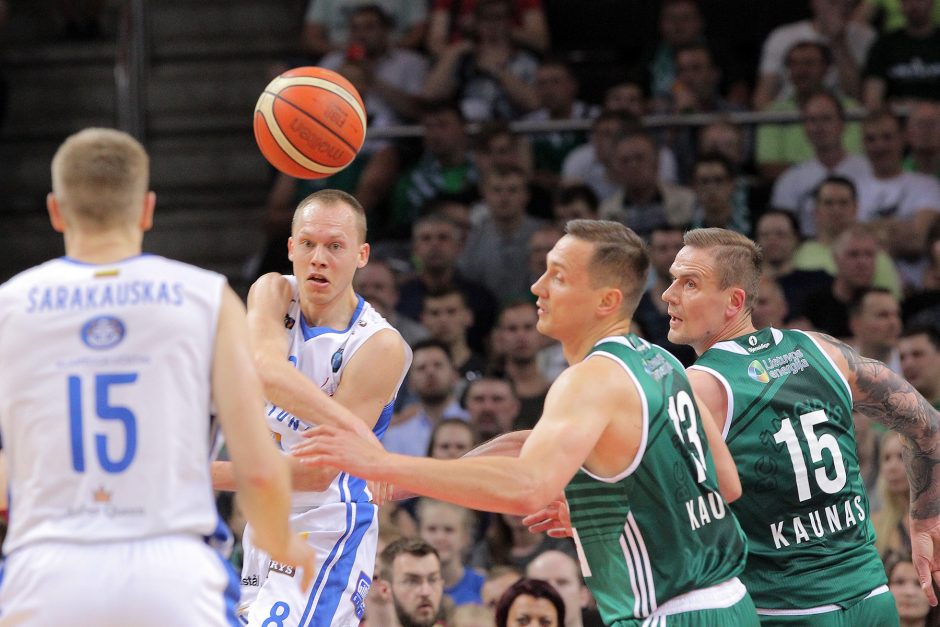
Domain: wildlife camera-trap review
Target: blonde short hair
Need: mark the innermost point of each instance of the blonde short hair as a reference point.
(331, 197)
(740, 259)
(620, 258)
(100, 177)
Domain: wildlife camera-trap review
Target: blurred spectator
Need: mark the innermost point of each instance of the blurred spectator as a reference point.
(626, 97)
(781, 145)
(902, 65)
(854, 251)
(499, 148)
(919, 349)
(435, 246)
(562, 572)
(836, 209)
(393, 77)
(696, 90)
(557, 89)
(591, 163)
(849, 42)
(892, 519)
(643, 202)
(770, 306)
(496, 247)
(490, 75)
(713, 181)
(530, 600)
(451, 438)
(681, 24)
(492, 405)
(449, 529)
(453, 20)
(574, 201)
(886, 15)
(778, 238)
(509, 542)
(824, 123)
(432, 379)
(923, 305)
(498, 580)
(651, 313)
(409, 575)
(913, 608)
(726, 138)
(540, 243)
(923, 138)
(520, 342)
(472, 616)
(326, 24)
(376, 283)
(445, 167)
(875, 322)
(448, 318)
(901, 205)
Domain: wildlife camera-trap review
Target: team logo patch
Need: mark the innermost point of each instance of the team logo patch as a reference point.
(337, 360)
(103, 332)
(284, 569)
(289, 322)
(358, 597)
(757, 372)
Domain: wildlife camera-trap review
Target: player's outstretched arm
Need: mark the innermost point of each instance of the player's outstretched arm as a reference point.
(881, 395)
(259, 471)
(577, 411)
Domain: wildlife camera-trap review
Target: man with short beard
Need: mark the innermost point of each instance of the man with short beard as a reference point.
(520, 341)
(409, 575)
(493, 406)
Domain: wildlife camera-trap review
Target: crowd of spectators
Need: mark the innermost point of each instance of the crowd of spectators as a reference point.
(845, 203)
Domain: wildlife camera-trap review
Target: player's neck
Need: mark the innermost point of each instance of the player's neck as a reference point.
(577, 348)
(334, 314)
(736, 327)
(106, 247)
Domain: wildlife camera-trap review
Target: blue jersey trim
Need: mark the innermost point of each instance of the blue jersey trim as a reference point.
(338, 580)
(329, 561)
(385, 419)
(79, 262)
(221, 541)
(312, 332)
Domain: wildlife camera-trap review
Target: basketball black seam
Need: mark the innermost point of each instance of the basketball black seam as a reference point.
(325, 127)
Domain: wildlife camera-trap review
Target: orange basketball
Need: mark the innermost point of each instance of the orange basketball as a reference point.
(310, 122)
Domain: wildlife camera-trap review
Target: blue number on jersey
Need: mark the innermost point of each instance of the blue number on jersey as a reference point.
(105, 411)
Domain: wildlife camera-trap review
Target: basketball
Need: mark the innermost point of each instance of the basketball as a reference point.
(310, 122)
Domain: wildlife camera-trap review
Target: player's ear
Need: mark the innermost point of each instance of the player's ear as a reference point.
(611, 302)
(737, 300)
(146, 216)
(364, 251)
(290, 248)
(55, 214)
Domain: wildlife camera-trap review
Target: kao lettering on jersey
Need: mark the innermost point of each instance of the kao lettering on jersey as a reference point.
(704, 510)
(84, 297)
(830, 519)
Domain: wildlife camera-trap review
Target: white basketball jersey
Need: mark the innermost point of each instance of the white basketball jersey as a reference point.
(322, 354)
(105, 399)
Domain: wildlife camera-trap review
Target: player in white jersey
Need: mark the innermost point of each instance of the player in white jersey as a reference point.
(312, 332)
(111, 361)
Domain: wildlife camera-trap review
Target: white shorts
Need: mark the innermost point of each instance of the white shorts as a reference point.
(152, 582)
(344, 537)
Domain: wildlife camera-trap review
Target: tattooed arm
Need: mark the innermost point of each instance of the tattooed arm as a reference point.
(883, 396)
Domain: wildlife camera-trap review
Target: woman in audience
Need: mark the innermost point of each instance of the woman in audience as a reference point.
(913, 608)
(892, 518)
(451, 438)
(530, 602)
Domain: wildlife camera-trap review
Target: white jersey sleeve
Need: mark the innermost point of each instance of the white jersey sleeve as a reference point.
(105, 399)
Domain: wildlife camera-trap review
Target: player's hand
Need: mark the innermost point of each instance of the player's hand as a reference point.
(381, 492)
(925, 546)
(326, 445)
(554, 519)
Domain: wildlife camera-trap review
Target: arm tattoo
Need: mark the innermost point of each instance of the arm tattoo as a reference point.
(883, 396)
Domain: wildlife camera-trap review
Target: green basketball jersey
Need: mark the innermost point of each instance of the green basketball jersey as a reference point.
(804, 507)
(660, 528)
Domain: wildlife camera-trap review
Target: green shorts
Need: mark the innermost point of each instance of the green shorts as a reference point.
(740, 613)
(875, 611)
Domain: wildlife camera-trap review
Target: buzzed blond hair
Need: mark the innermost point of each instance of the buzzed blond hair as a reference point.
(100, 178)
(738, 260)
(330, 197)
(620, 258)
